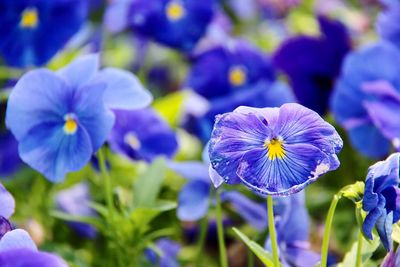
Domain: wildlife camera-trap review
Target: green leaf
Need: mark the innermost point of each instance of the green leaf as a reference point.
(368, 248)
(396, 233)
(144, 215)
(170, 107)
(264, 256)
(96, 222)
(148, 186)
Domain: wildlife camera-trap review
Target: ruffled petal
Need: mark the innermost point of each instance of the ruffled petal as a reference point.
(124, 90)
(53, 153)
(193, 201)
(40, 96)
(81, 70)
(17, 239)
(7, 203)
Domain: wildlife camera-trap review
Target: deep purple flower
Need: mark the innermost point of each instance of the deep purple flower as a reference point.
(169, 250)
(228, 69)
(382, 199)
(9, 158)
(142, 135)
(366, 99)
(60, 119)
(292, 226)
(388, 25)
(32, 32)
(313, 63)
(76, 201)
(273, 151)
(195, 197)
(175, 23)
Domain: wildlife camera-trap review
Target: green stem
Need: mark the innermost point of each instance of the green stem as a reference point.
(327, 232)
(107, 184)
(201, 241)
(220, 231)
(272, 231)
(359, 250)
(250, 258)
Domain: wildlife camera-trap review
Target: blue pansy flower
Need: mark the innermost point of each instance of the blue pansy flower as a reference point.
(273, 151)
(61, 118)
(300, 58)
(382, 199)
(175, 23)
(388, 25)
(194, 199)
(16, 246)
(76, 201)
(292, 226)
(169, 251)
(33, 31)
(228, 69)
(9, 158)
(142, 135)
(366, 99)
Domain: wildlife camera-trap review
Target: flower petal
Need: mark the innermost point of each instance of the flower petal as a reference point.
(7, 203)
(124, 90)
(28, 258)
(372, 217)
(17, 239)
(192, 170)
(193, 201)
(384, 226)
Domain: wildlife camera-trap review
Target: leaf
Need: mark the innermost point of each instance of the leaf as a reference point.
(96, 222)
(368, 248)
(264, 256)
(144, 215)
(170, 107)
(148, 186)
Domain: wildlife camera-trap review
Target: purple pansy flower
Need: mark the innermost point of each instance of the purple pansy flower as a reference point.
(33, 31)
(366, 100)
(194, 199)
(175, 23)
(9, 158)
(273, 151)
(76, 201)
(300, 58)
(292, 226)
(382, 199)
(169, 250)
(61, 118)
(142, 135)
(392, 259)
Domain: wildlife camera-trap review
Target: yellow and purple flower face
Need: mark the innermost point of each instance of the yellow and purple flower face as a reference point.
(273, 151)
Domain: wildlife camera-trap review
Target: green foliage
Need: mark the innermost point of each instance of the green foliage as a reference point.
(368, 248)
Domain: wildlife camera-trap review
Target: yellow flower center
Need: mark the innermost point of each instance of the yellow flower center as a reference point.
(30, 18)
(132, 140)
(275, 149)
(237, 76)
(70, 125)
(175, 11)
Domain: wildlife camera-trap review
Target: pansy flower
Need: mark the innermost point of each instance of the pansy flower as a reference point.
(142, 135)
(174, 23)
(382, 199)
(301, 59)
(292, 226)
(388, 25)
(366, 99)
(32, 32)
(76, 201)
(61, 118)
(195, 199)
(273, 151)
(169, 251)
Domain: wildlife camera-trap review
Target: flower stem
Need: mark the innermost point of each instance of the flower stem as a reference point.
(107, 183)
(359, 250)
(327, 232)
(201, 241)
(272, 231)
(220, 231)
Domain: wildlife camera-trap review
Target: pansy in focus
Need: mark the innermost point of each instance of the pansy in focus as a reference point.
(76, 201)
(60, 119)
(388, 25)
(175, 23)
(292, 226)
(142, 135)
(32, 32)
(366, 99)
(381, 199)
(273, 151)
(301, 59)
(194, 199)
